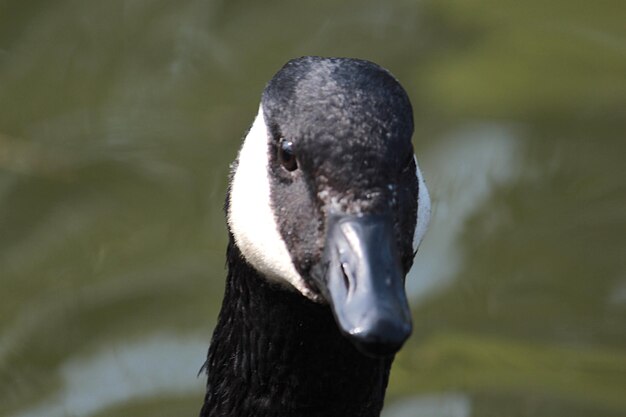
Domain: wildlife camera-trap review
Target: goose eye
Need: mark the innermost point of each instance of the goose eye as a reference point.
(286, 155)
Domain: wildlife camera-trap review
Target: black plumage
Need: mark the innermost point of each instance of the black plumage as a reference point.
(276, 354)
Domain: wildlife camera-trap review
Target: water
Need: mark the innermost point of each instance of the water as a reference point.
(117, 124)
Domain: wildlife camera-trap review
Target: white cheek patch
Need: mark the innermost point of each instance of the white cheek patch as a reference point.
(250, 214)
(423, 209)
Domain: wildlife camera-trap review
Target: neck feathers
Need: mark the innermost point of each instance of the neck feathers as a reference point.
(275, 353)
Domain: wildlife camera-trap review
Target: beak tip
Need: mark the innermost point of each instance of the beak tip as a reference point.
(381, 339)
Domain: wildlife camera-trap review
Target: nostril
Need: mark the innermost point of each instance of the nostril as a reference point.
(346, 276)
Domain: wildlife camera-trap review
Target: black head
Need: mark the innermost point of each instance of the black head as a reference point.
(338, 179)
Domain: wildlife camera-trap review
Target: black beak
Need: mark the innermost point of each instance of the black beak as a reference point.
(362, 279)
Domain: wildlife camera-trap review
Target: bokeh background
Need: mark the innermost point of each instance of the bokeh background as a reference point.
(118, 121)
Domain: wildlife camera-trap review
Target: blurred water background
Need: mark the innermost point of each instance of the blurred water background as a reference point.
(118, 121)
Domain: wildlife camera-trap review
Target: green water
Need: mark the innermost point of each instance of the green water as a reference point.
(118, 121)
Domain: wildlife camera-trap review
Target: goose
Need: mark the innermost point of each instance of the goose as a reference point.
(325, 209)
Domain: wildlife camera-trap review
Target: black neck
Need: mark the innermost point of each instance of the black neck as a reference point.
(275, 353)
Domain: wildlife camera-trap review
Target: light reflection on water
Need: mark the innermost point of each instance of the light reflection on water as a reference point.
(123, 371)
(443, 404)
(477, 159)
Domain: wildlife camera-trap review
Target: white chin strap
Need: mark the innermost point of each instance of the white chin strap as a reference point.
(251, 217)
(423, 209)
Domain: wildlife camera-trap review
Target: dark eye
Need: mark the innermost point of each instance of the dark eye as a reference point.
(286, 155)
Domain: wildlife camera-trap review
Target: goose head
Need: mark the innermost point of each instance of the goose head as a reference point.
(326, 197)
